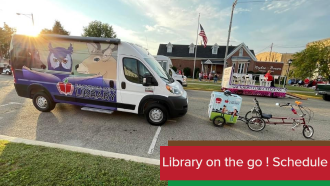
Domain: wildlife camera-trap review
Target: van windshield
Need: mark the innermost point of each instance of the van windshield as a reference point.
(153, 63)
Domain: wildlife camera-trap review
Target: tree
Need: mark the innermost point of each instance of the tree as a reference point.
(5, 37)
(313, 59)
(99, 29)
(57, 29)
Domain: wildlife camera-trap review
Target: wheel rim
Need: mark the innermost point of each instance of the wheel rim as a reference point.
(42, 102)
(156, 115)
(253, 114)
(219, 121)
(256, 124)
(308, 132)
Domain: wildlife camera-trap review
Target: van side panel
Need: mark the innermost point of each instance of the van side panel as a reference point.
(75, 72)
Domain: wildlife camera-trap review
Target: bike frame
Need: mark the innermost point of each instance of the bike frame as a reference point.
(283, 120)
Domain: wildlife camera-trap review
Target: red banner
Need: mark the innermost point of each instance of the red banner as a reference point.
(245, 163)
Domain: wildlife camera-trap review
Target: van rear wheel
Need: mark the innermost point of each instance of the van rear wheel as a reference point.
(43, 102)
(156, 114)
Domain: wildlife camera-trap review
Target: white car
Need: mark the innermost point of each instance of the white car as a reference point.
(7, 70)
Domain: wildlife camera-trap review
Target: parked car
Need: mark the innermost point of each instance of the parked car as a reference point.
(7, 70)
(324, 90)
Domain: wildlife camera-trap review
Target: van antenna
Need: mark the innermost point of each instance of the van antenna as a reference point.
(147, 43)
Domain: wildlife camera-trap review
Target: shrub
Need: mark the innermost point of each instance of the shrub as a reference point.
(174, 68)
(186, 71)
(196, 72)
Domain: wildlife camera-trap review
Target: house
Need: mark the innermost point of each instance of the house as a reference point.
(209, 58)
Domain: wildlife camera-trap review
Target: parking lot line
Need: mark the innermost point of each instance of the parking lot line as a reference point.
(10, 103)
(153, 143)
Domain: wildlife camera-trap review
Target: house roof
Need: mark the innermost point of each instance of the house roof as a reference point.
(183, 51)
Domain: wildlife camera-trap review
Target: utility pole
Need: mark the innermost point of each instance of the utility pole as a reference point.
(270, 54)
(231, 20)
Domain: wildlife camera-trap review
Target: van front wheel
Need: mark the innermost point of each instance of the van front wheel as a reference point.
(156, 114)
(43, 102)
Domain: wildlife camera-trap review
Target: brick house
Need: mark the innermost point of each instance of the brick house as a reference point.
(211, 58)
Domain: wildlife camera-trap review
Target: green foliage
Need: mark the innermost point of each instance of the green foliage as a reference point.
(313, 59)
(196, 72)
(6, 33)
(174, 68)
(57, 29)
(187, 71)
(99, 29)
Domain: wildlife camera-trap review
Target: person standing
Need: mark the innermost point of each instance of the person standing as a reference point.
(215, 78)
(270, 78)
(210, 75)
(200, 75)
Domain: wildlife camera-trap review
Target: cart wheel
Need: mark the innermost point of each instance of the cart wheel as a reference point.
(256, 124)
(219, 121)
(254, 114)
(308, 131)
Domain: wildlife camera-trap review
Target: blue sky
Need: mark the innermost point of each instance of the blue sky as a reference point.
(289, 24)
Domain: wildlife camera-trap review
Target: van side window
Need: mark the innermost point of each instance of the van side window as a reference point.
(134, 70)
(170, 72)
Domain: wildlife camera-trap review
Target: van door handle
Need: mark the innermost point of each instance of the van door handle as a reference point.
(123, 85)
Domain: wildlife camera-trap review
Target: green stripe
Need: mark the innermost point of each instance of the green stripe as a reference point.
(247, 183)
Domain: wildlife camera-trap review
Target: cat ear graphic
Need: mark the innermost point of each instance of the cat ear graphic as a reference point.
(70, 48)
(50, 47)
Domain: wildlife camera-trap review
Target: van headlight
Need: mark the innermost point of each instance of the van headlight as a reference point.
(173, 89)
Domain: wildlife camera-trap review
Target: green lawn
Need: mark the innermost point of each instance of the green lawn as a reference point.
(289, 87)
(22, 164)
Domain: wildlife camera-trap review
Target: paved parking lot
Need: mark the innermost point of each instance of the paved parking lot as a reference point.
(131, 134)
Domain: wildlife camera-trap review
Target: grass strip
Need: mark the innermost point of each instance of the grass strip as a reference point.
(22, 164)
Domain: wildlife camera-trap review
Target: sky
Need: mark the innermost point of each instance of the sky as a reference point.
(288, 24)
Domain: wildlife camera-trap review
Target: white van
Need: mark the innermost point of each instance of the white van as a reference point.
(99, 74)
(166, 63)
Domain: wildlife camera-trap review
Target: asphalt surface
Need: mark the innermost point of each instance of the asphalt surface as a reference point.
(131, 134)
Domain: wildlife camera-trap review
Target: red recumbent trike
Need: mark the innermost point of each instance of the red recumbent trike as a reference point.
(257, 120)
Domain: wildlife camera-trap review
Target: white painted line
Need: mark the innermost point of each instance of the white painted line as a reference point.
(10, 103)
(83, 150)
(153, 143)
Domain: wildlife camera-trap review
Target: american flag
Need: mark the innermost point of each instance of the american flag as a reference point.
(202, 33)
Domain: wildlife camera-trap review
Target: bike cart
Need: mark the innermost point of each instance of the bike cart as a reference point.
(224, 108)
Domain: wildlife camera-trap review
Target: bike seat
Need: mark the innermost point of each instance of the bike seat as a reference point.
(267, 116)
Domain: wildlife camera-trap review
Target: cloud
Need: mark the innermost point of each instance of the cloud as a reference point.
(176, 22)
(282, 6)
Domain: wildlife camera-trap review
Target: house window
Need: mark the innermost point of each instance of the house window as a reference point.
(191, 48)
(241, 68)
(241, 52)
(215, 48)
(169, 47)
(234, 64)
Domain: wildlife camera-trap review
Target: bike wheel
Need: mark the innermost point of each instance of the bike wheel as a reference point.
(256, 124)
(219, 121)
(250, 114)
(308, 131)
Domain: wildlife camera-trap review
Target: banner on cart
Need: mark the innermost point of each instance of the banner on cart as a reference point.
(244, 162)
(260, 88)
(226, 77)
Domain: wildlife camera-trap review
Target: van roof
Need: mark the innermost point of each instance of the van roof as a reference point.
(75, 38)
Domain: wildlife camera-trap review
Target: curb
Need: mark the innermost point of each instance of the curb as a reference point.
(303, 97)
(83, 150)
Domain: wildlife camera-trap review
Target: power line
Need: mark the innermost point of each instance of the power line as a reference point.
(263, 49)
(260, 1)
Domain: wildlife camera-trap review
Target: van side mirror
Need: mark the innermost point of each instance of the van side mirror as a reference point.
(149, 80)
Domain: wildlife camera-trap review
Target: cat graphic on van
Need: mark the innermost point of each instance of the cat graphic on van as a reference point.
(100, 61)
(59, 58)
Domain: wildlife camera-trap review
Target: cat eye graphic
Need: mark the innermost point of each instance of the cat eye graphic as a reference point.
(65, 60)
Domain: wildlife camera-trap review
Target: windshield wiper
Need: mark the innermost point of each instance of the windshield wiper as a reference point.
(164, 78)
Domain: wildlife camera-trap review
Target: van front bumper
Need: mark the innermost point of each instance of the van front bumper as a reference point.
(178, 106)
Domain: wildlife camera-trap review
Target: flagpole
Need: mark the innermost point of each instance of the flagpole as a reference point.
(196, 46)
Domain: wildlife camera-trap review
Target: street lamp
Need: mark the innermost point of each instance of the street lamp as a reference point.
(288, 72)
(27, 15)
